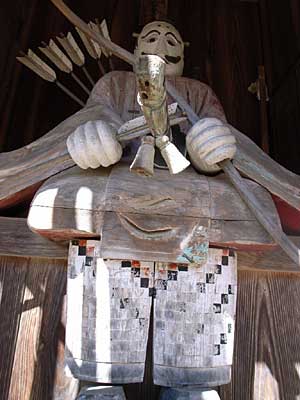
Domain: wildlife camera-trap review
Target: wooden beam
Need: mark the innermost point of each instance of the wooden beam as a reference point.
(269, 260)
(17, 240)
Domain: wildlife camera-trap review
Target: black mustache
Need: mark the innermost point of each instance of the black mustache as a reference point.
(173, 60)
(169, 59)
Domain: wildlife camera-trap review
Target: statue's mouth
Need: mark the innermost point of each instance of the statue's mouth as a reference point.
(166, 58)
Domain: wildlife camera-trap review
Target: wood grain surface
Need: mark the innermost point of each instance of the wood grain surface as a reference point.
(17, 240)
(32, 331)
(12, 277)
(77, 202)
(267, 350)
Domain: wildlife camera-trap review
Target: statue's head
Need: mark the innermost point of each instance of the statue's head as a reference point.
(162, 39)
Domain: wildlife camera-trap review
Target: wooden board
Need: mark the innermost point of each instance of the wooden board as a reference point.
(17, 240)
(31, 330)
(268, 261)
(28, 244)
(251, 161)
(267, 350)
(12, 287)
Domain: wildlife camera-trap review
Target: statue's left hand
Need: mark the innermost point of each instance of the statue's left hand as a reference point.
(208, 142)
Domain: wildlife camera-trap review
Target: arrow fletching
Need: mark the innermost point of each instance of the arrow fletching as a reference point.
(59, 59)
(105, 33)
(72, 49)
(103, 30)
(38, 66)
(91, 46)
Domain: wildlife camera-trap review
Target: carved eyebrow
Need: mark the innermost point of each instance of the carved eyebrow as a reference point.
(172, 34)
(153, 31)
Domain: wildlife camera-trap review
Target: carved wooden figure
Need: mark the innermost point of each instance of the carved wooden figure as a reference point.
(154, 243)
(167, 242)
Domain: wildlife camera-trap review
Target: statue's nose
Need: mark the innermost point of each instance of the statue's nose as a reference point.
(162, 48)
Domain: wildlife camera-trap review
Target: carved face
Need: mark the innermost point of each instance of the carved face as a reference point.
(162, 39)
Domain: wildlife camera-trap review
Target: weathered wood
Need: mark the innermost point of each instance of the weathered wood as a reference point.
(12, 277)
(263, 106)
(257, 165)
(25, 245)
(35, 373)
(266, 355)
(275, 260)
(131, 213)
(258, 210)
(157, 238)
(116, 189)
(17, 240)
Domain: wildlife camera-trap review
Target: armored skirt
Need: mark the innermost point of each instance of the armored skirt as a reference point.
(108, 318)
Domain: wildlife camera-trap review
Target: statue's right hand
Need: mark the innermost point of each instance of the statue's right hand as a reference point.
(94, 144)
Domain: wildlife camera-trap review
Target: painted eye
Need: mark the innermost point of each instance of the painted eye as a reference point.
(170, 42)
(152, 40)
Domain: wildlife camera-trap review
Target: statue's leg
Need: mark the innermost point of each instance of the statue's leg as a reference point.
(108, 315)
(194, 312)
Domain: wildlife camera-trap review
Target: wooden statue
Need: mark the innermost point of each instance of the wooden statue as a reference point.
(157, 238)
(166, 242)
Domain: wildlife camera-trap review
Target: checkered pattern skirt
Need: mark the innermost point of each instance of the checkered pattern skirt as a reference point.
(108, 316)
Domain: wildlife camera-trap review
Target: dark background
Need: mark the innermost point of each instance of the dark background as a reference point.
(228, 40)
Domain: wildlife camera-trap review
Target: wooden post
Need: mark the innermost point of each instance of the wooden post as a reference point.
(263, 99)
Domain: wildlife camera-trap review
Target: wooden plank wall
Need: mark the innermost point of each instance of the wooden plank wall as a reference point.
(267, 347)
(282, 60)
(32, 330)
(266, 355)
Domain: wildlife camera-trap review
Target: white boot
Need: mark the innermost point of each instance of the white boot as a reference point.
(188, 393)
(102, 393)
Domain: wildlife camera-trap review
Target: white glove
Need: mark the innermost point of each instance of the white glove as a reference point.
(94, 144)
(208, 142)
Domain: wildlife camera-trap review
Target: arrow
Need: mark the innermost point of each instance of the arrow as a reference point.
(61, 61)
(39, 67)
(92, 47)
(74, 52)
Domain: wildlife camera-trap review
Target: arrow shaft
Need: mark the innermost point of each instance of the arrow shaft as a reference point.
(80, 83)
(70, 94)
(86, 72)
